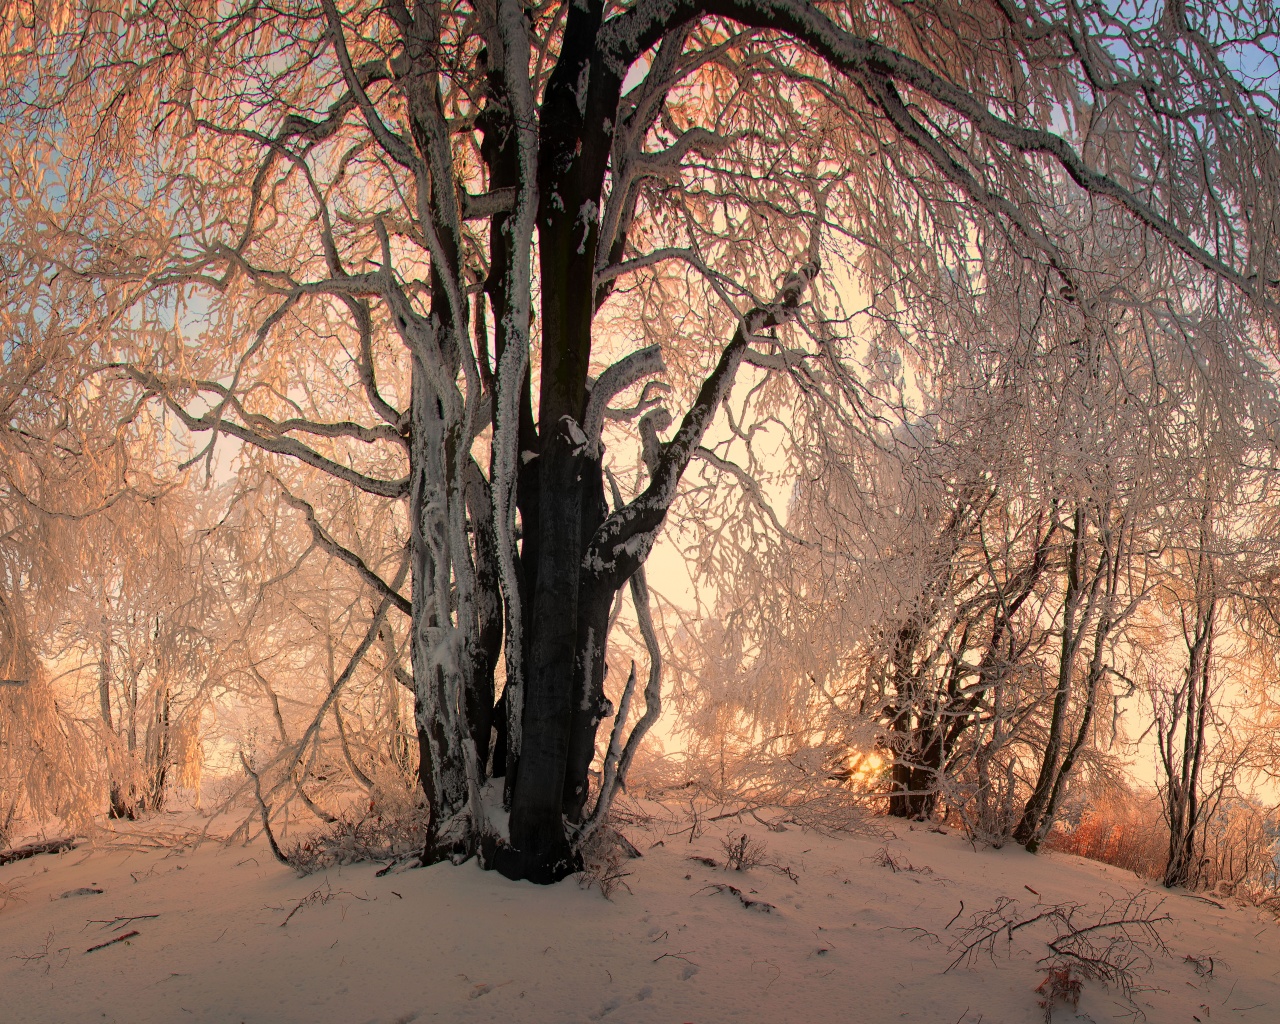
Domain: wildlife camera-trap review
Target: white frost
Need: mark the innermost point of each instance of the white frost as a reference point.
(574, 431)
(580, 93)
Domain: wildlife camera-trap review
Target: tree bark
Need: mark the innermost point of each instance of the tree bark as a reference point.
(439, 666)
(539, 849)
(589, 705)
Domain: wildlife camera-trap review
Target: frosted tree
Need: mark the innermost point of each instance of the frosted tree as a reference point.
(143, 628)
(959, 594)
(441, 253)
(63, 460)
(1206, 691)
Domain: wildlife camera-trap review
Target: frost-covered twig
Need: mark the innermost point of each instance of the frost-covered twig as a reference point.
(264, 811)
(1113, 949)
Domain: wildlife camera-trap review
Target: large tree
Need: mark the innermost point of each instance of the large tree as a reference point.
(422, 248)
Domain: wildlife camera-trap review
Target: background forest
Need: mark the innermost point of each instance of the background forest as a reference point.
(422, 421)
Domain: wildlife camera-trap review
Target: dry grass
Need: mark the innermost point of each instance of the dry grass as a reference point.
(742, 853)
(380, 837)
(604, 855)
(1126, 830)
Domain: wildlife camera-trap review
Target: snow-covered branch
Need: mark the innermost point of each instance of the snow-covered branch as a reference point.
(277, 444)
(624, 539)
(326, 541)
(629, 370)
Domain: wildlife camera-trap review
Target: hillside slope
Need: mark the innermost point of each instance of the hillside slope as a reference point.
(863, 929)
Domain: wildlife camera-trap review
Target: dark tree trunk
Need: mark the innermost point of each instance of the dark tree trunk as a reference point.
(565, 596)
(1085, 597)
(901, 772)
(479, 699)
(1034, 811)
(159, 752)
(574, 150)
(1184, 809)
(539, 849)
(500, 729)
(904, 796)
(120, 808)
(589, 705)
(118, 805)
(1001, 653)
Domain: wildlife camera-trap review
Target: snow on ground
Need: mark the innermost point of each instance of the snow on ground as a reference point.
(236, 937)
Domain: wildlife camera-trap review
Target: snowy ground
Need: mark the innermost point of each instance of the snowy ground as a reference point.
(853, 938)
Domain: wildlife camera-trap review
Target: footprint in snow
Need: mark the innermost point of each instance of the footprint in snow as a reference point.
(607, 1008)
(617, 1001)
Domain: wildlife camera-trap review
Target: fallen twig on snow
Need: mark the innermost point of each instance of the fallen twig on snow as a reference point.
(750, 904)
(783, 869)
(883, 858)
(1202, 899)
(920, 933)
(44, 955)
(320, 896)
(112, 942)
(1202, 965)
(116, 923)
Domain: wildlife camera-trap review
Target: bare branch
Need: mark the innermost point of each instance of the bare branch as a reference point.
(327, 542)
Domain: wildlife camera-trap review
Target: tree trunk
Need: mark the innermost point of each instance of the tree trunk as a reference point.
(1183, 800)
(903, 801)
(589, 705)
(1037, 805)
(439, 663)
(118, 806)
(488, 614)
(539, 849)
